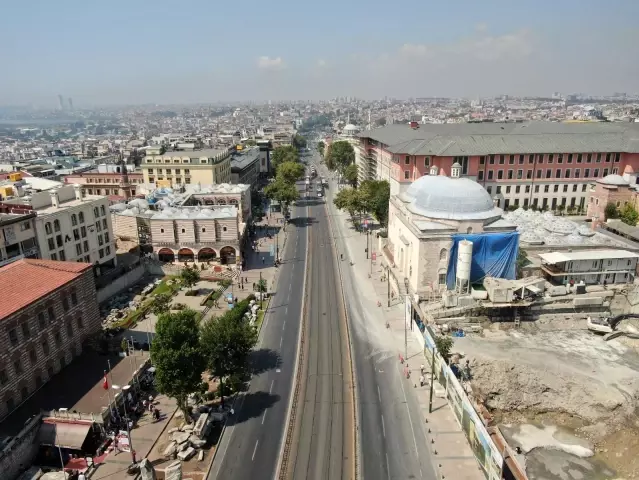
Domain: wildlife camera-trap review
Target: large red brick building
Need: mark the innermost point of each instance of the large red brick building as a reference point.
(542, 164)
(47, 311)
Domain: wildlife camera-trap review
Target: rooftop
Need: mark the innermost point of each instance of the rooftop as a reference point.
(25, 281)
(204, 152)
(245, 158)
(558, 257)
(507, 138)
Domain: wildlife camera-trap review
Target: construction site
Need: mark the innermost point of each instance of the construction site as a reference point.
(555, 367)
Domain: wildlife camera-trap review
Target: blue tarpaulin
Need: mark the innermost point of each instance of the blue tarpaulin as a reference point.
(494, 255)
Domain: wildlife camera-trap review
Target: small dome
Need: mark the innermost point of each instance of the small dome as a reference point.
(351, 128)
(437, 196)
(628, 169)
(613, 179)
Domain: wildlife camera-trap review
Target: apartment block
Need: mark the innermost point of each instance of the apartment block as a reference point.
(177, 168)
(17, 237)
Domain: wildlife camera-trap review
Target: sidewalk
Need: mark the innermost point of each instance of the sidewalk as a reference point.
(454, 457)
(143, 437)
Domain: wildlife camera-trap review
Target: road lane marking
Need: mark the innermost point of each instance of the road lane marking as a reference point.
(387, 467)
(281, 340)
(284, 325)
(289, 287)
(255, 449)
(263, 418)
(383, 426)
(410, 420)
(271, 389)
(379, 394)
(286, 311)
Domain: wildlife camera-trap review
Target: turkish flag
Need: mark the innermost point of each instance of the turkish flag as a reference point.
(105, 383)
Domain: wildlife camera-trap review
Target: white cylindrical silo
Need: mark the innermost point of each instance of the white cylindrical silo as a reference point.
(464, 259)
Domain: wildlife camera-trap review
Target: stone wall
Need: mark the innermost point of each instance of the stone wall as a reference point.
(18, 454)
(121, 283)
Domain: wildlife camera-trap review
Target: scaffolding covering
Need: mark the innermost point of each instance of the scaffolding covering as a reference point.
(494, 255)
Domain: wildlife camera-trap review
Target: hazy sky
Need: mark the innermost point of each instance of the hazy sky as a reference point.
(140, 51)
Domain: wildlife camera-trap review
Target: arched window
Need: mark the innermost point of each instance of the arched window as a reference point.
(74, 220)
(56, 225)
(81, 215)
(443, 254)
(47, 228)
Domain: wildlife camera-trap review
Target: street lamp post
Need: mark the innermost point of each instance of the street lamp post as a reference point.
(125, 390)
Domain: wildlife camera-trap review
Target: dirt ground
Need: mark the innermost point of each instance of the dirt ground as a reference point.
(567, 377)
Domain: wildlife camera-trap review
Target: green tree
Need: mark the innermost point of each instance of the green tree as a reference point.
(250, 143)
(190, 276)
(350, 175)
(611, 211)
(350, 200)
(320, 147)
(299, 141)
(629, 215)
(444, 344)
(227, 342)
(375, 195)
(290, 172)
(161, 303)
(177, 356)
(284, 192)
(522, 261)
(341, 155)
(283, 154)
(262, 285)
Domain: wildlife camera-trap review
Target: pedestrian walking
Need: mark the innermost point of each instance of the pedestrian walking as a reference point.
(421, 380)
(263, 260)
(422, 369)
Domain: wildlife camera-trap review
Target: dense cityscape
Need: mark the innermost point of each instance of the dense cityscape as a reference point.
(357, 241)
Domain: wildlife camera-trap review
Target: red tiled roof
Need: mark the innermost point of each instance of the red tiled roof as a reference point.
(25, 281)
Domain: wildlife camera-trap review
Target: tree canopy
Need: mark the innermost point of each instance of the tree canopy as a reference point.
(371, 197)
(628, 215)
(177, 356)
(299, 141)
(350, 175)
(161, 303)
(190, 276)
(283, 154)
(290, 172)
(227, 342)
(282, 191)
(320, 147)
(340, 155)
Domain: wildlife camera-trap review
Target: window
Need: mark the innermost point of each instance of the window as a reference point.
(107, 250)
(65, 304)
(550, 157)
(63, 362)
(596, 173)
(76, 234)
(567, 173)
(80, 322)
(58, 241)
(101, 252)
(605, 172)
(574, 188)
(224, 229)
(586, 173)
(608, 157)
(406, 174)
(41, 321)
(569, 158)
(96, 212)
(74, 220)
(98, 227)
(183, 231)
(63, 257)
(54, 256)
(589, 158)
(57, 337)
(500, 174)
(583, 187)
(69, 329)
(498, 189)
(26, 333)
(187, 171)
(617, 157)
(546, 188)
(480, 175)
(577, 172)
(508, 189)
(85, 246)
(565, 188)
(33, 356)
(536, 188)
(51, 313)
(161, 230)
(47, 228)
(490, 174)
(529, 174)
(102, 210)
(482, 160)
(539, 173)
(558, 173)
(3, 377)
(541, 158)
(521, 159)
(527, 188)
(17, 366)
(101, 242)
(78, 249)
(560, 158)
(56, 225)
(25, 226)
(520, 174)
(407, 160)
(491, 160)
(511, 160)
(579, 157)
(548, 173)
(83, 232)
(51, 243)
(510, 174)
(13, 337)
(489, 190)
(501, 159)
(531, 159)
(555, 188)
(203, 230)
(598, 158)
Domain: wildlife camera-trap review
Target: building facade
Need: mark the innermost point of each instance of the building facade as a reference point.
(48, 310)
(177, 168)
(245, 167)
(592, 267)
(69, 226)
(612, 189)
(108, 184)
(17, 237)
(542, 164)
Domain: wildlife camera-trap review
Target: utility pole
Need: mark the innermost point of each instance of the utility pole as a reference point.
(261, 292)
(277, 246)
(367, 243)
(432, 379)
(406, 320)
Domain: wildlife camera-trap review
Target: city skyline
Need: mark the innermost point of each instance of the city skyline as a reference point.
(280, 52)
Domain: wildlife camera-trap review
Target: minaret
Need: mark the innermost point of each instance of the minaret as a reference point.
(125, 186)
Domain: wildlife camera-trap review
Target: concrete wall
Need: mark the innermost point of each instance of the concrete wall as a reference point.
(125, 281)
(125, 226)
(20, 452)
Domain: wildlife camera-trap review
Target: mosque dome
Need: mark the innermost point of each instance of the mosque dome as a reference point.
(613, 179)
(436, 196)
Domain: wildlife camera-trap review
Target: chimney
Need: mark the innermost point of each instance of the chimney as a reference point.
(55, 198)
(78, 191)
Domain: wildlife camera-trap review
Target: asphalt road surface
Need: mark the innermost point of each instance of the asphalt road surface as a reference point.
(249, 448)
(323, 442)
(393, 442)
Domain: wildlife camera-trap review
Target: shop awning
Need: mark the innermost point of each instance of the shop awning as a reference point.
(65, 435)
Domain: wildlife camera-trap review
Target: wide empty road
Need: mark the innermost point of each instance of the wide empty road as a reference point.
(323, 440)
(249, 448)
